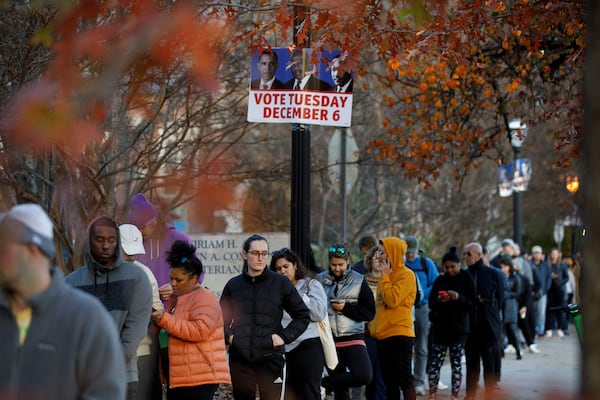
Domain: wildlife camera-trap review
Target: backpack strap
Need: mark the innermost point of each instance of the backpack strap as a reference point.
(424, 266)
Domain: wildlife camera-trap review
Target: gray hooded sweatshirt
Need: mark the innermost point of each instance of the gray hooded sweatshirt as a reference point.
(123, 288)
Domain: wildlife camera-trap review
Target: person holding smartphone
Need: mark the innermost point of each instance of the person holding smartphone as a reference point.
(351, 304)
(451, 300)
(393, 326)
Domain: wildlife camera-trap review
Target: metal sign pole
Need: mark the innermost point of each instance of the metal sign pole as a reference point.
(300, 207)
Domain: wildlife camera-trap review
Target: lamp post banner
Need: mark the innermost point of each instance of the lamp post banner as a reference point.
(505, 176)
(301, 86)
(514, 177)
(521, 174)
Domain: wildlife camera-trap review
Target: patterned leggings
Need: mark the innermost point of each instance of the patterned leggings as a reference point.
(437, 353)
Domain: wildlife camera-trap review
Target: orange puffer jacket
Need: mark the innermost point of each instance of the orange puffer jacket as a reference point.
(197, 354)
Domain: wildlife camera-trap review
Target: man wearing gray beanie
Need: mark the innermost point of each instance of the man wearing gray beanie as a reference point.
(56, 341)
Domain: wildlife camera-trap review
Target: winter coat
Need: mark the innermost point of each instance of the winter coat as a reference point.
(489, 285)
(450, 319)
(252, 312)
(512, 295)
(197, 354)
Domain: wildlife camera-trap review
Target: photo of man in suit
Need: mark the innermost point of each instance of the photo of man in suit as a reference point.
(343, 81)
(268, 62)
(303, 72)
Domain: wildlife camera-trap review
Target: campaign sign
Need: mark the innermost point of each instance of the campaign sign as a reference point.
(303, 87)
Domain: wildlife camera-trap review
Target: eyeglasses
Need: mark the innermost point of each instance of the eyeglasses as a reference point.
(263, 254)
(467, 253)
(281, 252)
(337, 251)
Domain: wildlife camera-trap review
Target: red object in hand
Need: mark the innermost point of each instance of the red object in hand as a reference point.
(442, 293)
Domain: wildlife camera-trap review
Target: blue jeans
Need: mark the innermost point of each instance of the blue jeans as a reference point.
(540, 314)
(375, 389)
(421, 344)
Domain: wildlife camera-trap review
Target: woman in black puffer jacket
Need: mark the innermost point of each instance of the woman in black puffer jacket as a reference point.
(253, 304)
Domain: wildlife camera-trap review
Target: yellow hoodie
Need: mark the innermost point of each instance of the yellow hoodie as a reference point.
(395, 295)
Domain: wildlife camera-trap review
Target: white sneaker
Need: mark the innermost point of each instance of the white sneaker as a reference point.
(441, 386)
(534, 349)
(463, 359)
(510, 349)
(548, 334)
(420, 390)
(560, 333)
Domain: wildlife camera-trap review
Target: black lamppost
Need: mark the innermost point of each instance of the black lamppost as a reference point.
(572, 187)
(517, 135)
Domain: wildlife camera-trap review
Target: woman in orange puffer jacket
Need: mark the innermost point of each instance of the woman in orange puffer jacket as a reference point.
(194, 323)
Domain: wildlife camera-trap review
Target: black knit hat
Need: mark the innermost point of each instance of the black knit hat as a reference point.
(451, 255)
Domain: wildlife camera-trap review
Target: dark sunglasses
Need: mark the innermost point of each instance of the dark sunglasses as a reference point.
(339, 251)
(281, 252)
(467, 253)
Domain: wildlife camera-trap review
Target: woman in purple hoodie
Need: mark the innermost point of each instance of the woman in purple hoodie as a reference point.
(159, 235)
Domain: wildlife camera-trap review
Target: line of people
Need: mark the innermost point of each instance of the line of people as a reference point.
(171, 337)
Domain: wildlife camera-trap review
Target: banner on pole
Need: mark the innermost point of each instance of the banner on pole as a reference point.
(303, 87)
(514, 177)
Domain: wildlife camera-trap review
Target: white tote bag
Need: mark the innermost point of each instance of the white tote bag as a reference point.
(329, 351)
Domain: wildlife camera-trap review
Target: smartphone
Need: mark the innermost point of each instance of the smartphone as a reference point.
(442, 293)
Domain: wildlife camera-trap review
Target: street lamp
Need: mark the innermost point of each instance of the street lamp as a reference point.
(572, 187)
(517, 135)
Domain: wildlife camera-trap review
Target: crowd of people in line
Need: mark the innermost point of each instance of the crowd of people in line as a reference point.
(393, 315)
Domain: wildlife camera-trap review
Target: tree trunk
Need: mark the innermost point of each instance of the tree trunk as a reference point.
(591, 172)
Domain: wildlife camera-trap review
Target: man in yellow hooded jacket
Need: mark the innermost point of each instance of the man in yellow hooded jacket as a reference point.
(392, 326)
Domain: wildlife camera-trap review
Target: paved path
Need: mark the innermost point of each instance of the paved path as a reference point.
(552, 374)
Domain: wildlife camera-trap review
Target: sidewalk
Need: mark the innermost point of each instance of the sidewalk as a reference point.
(552, 374)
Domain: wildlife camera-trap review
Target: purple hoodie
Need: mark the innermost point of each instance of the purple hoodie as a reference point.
(156, 253)
(141, 211)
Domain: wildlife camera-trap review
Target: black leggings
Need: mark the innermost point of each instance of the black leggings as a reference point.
(354, 370)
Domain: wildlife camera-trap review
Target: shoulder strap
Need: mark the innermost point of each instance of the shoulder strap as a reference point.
(424, 266)
(307, 284)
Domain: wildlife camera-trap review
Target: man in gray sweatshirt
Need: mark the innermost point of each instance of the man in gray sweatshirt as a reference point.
(56, 342)
(121, 286)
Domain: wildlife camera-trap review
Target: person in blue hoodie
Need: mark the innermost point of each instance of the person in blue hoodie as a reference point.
(121, 286)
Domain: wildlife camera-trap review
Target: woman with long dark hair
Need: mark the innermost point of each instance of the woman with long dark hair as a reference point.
(304, 356)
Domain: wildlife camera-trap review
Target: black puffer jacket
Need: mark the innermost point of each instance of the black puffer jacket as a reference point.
(252, 312)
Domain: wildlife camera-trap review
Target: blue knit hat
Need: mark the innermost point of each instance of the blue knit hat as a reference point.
(141, 211)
